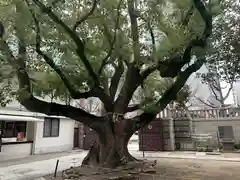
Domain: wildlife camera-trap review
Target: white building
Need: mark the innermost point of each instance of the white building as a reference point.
(201, 92)
(25, 133)
(236, 93)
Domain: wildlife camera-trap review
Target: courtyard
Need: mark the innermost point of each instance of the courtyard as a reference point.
(170, 166)
(190, 169)
(166, 169)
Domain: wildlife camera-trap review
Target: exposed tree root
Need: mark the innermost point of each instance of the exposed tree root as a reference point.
(131, 171)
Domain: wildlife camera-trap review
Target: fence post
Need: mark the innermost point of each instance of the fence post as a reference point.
(56, 167)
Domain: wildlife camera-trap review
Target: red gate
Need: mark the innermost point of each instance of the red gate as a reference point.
(151, 136)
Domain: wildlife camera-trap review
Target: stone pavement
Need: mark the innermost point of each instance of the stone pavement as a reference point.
(25, 169)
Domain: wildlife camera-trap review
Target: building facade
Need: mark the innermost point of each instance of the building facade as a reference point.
(26, 133)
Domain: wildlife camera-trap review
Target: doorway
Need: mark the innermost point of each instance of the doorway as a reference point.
(76, 138)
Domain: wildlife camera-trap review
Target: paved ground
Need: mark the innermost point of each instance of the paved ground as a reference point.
(28, 169)
(34, 169)
(36, 166)
(34, 158)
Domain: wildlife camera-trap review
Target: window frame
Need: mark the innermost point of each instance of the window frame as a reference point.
(50, 128)
(224, 133)
(13, 132)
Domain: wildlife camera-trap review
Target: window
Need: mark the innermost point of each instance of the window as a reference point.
(225, 131)
(198, 75)
(51, 127)
(11, 129)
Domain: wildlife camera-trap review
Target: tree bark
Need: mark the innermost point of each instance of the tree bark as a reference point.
(110, 150)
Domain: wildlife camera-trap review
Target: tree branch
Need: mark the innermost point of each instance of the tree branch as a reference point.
(80, 45)
(96, 91)
(132, 81)
(171, 93)
(26, 98)
(85, 16)
(152, 37)
(205, 103)
(150, 70)
(5, 50)
(171, 67)
(37, 105)
(153, 42)
(215, 84)
(74, 93)
(213, 90)
(207, 18)
(134, 30)
(154, 51)
(110, 39)
(188, 16)
(115, 79)
(55, 2)
(133, 108)
(228, 93)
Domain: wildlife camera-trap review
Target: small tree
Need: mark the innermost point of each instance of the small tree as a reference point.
(223, 57)
(212, 80)
(101, 49)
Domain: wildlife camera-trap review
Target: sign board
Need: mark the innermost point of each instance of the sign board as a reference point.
(201, 137)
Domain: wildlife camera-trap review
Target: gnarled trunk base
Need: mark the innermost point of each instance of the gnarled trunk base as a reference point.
(111, 148)
(117, 155)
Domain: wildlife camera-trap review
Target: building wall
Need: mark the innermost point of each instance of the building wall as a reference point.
(199, 126)
(168, 135)
(12, 151)
(211, 126)
(30, 131)
(63, 142)
(236, 92)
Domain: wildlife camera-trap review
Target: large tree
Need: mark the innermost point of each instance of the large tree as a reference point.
(110, 50)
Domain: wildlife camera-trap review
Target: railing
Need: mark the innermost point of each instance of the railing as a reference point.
(226, 112)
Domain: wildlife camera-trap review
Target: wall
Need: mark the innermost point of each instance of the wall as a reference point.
(30, 131)
(54, 144)
(211, 126)
(167, 135)
(12, 151)
(236, 92)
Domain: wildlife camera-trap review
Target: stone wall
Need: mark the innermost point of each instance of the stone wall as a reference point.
(210, 126)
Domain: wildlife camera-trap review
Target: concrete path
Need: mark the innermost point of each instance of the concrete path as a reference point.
(34, 158)
(27, 170)
(31, 170)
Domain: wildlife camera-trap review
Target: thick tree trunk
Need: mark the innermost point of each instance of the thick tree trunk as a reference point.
(111, 148)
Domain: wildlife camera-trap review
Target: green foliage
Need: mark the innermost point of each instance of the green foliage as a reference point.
(223, 55)
(6, 85)
(155, 86)
(183, 97)
(97, 31)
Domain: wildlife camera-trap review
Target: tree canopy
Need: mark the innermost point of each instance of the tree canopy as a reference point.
(106, 36)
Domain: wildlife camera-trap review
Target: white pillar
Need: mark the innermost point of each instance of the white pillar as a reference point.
(171, 135)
